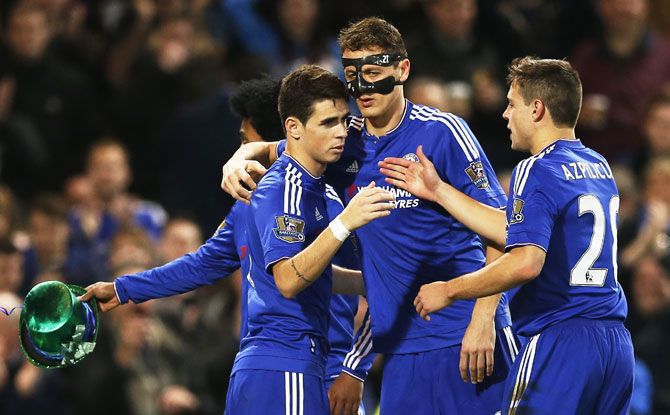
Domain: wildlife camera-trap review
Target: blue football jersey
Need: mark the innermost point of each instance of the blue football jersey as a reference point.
(419, 242)
(565, 202)
(288, 212)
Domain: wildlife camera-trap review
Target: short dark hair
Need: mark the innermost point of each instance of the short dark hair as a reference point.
(555, 82)
(372, 32)
(306, 86)
(257, 100)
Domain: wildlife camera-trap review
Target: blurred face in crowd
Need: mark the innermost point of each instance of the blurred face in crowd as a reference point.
(621, 16)
(657, 129)
(28, 34)
(11, 271)
(48, 234)
(298, 17)
(108, 171)
(519, 120)
(174, 44)
(454, 18)
(651, 287)
(377, 105)
(432, 93)
(657, 179)
(180, 237)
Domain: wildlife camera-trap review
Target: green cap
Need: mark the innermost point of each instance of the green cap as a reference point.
(56, 329)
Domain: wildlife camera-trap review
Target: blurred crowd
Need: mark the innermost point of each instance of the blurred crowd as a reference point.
(115, 122)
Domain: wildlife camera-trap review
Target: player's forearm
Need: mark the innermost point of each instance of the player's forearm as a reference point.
(484, 220)
(347, 281)
(261, 151)
(517, 267)
(485, 307)
(299, 272)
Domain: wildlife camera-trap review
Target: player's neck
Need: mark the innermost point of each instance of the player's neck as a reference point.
(313, 167)
(546, 137)
(389, 120)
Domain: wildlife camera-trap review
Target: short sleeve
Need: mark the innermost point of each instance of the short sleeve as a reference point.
(532, 209)
(461, 160)
(281, 147)
(280, 221)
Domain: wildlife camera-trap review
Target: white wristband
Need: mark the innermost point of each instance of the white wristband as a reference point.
(339, 230)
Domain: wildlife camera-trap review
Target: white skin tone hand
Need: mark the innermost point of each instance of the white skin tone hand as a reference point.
(420, 179)
(369, 204)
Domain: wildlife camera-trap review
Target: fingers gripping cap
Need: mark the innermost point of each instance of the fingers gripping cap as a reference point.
(359, 86)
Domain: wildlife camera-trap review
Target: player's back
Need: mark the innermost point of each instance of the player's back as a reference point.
(566, 202)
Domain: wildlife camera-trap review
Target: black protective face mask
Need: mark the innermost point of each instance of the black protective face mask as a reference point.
(359, 86)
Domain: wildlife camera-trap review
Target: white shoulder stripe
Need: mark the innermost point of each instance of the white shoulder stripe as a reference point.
(292, 190)
(356, 122)
(458, 129)
(524, 170)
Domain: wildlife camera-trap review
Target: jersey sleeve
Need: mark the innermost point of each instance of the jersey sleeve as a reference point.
(280, 221)
(360, 358)
(214, 260)
(532, 208)
(461, 160)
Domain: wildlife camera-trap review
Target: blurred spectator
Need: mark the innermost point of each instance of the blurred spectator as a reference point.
(620, 71)
(52, 98)
(536, 27)
(180, 237)
(49, 234)
(9, 214)
(94, 223)
(431, 92)
(178, 66)
(656, 124)
(11, 267)
(131, 246)
(652, 234)
(650, 316)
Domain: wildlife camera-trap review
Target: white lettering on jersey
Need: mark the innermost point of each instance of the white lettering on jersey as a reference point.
(586, 170)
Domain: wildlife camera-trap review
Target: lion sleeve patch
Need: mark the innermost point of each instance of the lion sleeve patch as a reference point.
(289, 229)
(477, 175)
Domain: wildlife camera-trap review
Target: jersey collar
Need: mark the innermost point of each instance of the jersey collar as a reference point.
(398, 128)
(306, 175)
(564, 142)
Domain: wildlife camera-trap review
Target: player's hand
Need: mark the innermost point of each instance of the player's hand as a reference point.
(345, 395)
(369, 204)
(239, 178)
(104, 293)
(420, 179)
(477, 350)
(431, 298)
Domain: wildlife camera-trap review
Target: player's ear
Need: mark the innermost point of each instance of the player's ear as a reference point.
(404, 70)
(539, 110)
(293, 128)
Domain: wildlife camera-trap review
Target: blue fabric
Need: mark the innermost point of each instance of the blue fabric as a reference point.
(578, 366)
(263, 392)
(436, 387)
(548, 190)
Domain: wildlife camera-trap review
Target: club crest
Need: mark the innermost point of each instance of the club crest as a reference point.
(477, 175)
(289, 229)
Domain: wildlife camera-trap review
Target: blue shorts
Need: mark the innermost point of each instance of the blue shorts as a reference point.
(262, 392)
(430, 382)
(579, 366)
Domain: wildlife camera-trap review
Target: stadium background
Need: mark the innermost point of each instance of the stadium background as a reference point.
(147, 82)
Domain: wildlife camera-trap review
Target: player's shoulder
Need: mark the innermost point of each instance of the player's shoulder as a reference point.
(444, 128)
(538, 168)
(355, 123)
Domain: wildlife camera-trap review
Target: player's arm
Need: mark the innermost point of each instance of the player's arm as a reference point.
(479, 340)
(346, 393)
(518, 266)
(214, 260)
(246, 167)
(294, 274)
(347, 281)
(422, 180)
